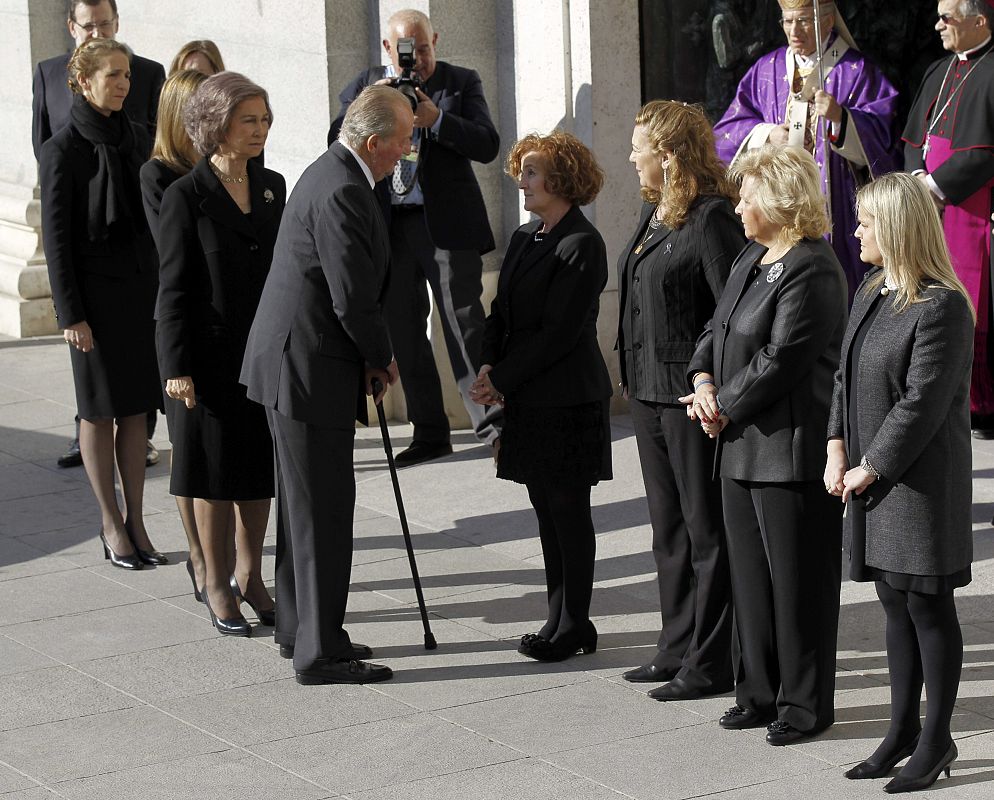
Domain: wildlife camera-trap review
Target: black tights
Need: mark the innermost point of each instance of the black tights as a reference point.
(568, 546)
(924, 648)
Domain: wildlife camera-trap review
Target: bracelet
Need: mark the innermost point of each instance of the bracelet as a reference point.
(867, 467)
(704, 382)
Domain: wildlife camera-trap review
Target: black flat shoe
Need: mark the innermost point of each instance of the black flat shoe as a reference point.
(650, 673)
(561, 649)
(343, 670)
(530, 640)
(359, 651)
(740, 718)
(235, 626)
(900, 784)
(267, 616)
(419, 452)
(870, 769)
(780, 733)
(124, 562)
(193, 579)
(72, 457)
(679, 689)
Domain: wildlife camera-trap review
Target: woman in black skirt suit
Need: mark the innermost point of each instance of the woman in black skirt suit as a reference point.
(173, 155)
(542, 363)
(899, 455)
(217, 230)
(102, 268)
(670, 278)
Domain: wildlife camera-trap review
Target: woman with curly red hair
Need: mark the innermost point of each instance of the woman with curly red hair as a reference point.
(542, 363)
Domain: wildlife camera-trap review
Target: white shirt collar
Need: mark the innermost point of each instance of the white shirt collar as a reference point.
(365, 167)
(963, 56)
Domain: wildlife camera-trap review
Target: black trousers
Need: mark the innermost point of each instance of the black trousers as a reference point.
(315, 502)
(784, 545)
(568, 548)
(688, 544)
(455, 278)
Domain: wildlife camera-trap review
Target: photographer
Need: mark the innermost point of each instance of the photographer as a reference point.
(438, 229)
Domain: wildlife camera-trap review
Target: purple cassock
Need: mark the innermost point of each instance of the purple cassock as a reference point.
(863, 147)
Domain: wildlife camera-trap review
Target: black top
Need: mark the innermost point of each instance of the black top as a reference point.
(541, 335)
(155, 177)
(668, 292)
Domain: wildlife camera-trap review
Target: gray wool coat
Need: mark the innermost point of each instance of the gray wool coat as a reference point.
(912, 390)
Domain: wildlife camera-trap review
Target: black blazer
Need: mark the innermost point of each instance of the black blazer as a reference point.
(68, 163)
(214, 262)
(670, 294)
(52, 97)
(320, 320)
(455, 214)
(773, 347)
(541, 335)
(155, 177)
(912, 408)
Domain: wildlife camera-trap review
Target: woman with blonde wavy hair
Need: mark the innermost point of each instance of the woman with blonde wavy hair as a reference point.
(670, 277)
(762, 377)
(201, 55)
(899, 456)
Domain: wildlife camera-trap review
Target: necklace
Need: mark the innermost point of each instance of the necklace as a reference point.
(952, 94)
(225, 178)
(654, 225)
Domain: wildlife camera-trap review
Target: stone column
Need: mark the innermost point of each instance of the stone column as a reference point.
(35, 29)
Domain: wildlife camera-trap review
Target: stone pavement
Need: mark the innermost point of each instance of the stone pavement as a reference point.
(114, 685)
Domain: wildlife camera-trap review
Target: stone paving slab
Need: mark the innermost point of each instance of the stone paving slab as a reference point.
(116, 687)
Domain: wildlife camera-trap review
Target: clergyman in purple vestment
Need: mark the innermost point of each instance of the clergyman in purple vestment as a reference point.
(779, 101)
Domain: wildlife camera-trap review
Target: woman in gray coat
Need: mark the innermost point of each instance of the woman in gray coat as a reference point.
(899, 456)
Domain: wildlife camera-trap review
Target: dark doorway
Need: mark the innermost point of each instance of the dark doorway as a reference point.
(698, 50)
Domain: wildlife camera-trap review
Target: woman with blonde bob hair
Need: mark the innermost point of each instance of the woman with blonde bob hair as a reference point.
(670, 276)
(201, 55)
(762, 377)
(899, 456)
(542, 363)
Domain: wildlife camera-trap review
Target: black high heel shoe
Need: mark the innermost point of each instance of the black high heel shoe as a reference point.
(193, 579)
(901, 784)
(152, 557)
(124, 562)
(267, 616)
(235, 626)
(561, 649)
(870, 769)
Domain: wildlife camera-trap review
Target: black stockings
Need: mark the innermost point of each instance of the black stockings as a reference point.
(924, 648)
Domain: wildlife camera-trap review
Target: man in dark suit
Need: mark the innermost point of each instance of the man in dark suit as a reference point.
(438, 231)
(52, 98)
(318, 338)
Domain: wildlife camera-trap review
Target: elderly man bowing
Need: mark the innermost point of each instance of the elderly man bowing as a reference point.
(318, 338)
(779, 101)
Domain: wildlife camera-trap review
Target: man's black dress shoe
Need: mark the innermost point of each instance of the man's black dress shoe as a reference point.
(420, 452)
(779, 733)
(358, 651)
(679, 689)
(739, 718)
(650, 673)
(72, 457)
(343, 670)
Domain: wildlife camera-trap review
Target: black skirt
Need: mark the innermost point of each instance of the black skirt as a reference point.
(119, 377)
(222, 448)
(567, 444)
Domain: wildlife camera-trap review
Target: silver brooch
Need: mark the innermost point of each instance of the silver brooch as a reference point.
(669, 247)
(775, 272)
(268, 195)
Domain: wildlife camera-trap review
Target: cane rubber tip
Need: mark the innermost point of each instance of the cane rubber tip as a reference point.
(430, 643)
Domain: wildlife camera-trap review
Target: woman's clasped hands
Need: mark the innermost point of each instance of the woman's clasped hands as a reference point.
(702, 406)
(483, 390)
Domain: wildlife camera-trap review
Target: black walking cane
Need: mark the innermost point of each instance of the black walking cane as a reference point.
(430, 643)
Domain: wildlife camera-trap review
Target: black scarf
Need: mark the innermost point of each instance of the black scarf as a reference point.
(117, 169)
